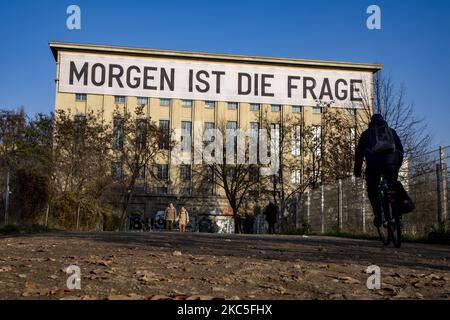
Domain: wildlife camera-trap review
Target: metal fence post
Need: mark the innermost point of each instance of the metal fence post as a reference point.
(339, 204)
(441, 173)
(7, 199)
(46, 215)
(363, 187)
(308, 207)
(322, 209)
(78, 216)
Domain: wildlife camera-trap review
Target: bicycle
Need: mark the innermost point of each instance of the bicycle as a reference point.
(391, 226)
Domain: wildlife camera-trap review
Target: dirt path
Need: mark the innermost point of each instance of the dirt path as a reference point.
(162, 265)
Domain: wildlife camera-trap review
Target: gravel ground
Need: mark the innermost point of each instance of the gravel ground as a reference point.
(170, 265)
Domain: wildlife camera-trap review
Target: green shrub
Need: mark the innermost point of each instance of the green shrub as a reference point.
(304, 229)
(9, 229)
(111, 221)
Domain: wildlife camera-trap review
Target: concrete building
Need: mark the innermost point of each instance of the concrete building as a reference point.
(182, 89)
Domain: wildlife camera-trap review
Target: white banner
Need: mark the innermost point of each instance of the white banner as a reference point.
(172, 78)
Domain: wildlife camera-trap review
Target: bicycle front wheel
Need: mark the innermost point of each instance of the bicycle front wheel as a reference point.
(384, 234)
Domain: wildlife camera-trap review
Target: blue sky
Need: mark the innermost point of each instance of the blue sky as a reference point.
(413, 44)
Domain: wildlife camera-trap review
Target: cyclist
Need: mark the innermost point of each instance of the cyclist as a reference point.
(383, 151)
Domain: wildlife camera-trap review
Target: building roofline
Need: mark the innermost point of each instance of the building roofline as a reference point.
(56, 46)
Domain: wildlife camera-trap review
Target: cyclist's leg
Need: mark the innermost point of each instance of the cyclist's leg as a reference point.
(373, 181)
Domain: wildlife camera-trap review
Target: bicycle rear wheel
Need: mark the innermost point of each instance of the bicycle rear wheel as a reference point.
(384, 231)
(396, 230)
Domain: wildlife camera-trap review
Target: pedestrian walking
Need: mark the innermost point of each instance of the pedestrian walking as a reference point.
(183, 219)
(170, 214)
(271, 216)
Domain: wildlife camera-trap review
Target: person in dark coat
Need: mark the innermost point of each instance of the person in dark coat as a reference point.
(271, 216)
(377, 163)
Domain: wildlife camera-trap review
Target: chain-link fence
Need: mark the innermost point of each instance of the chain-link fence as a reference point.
(344, 205)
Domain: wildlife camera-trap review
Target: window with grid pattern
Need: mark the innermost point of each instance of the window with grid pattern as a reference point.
(186, 103)
(163, 171)
(142, 101)
(164, 102)
(119, 99)
(80, 97)
(210, 104)
(254, 106)
(275, 107)
(296, 109)
(185, 172)
(232, 105)
(164, 126)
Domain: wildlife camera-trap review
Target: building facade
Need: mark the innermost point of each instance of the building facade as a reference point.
(187, 90)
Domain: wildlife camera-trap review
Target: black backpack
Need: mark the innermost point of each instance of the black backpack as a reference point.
(383, 139)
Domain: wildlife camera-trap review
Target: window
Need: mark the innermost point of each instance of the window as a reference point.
(80, 97)
(275, 136)
(254, 134)
(351, 111)
(186, 131)
(164, 102)
(254, 106)
(232, 105)
(231, 128)
(232, 125)
(119, 99)
(296, 140)
(254, 173)
(296, 177)
(80, 119)
(296, 109)
(210, 104)
(351, 140)
(161, 190)
(317, 109)
(117, 139)
(317, 140)
(164, 127)
(163, 171)
(210, 138)
(141, 173)
(142, 101)
(80, 127)
(254, 126)
(116, 170)
(185, 191)
(208, 126)
(208, 176)
(141, 133)
(186, 103)
(276, 107)
(185, 172)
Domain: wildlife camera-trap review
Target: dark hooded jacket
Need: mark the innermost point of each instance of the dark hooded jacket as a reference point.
(374, 161)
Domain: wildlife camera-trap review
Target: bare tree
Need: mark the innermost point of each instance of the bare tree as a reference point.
(238, 180)
(137, 144)
(309, 155)
(390, 100)
(80, 160)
